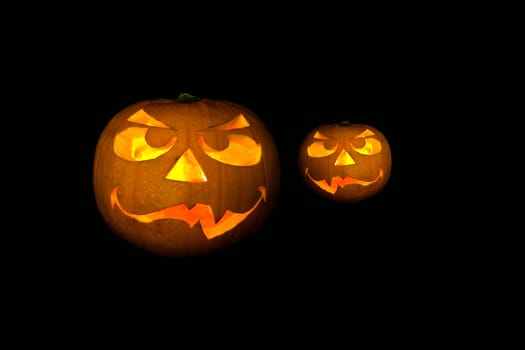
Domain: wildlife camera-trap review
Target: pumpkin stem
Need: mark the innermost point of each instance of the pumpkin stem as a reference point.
(187, 98)
(345, 123)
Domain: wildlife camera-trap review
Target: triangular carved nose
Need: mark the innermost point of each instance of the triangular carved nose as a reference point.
(344, 158)
(187, 168)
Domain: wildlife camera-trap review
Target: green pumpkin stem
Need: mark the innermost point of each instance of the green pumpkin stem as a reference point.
(345, 123)
(187, 98)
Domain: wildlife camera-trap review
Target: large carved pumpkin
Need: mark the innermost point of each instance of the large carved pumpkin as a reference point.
(186, 176)
(345, 162)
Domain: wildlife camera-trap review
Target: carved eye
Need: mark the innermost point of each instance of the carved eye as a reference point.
(368, 146)
(318, 149)
(242, 150)
(131, 144)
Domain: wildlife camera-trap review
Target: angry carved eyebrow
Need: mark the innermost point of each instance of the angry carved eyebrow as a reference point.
(320, 136)
(365, 133)
(141, 117)
(236, 123)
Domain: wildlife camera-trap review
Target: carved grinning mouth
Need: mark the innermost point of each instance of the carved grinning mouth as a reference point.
(338, 181)
(198, 213)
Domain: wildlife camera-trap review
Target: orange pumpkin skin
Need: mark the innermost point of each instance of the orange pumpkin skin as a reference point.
(345, 162)
(184, 178)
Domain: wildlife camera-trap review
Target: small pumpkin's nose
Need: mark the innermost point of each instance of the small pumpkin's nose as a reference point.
(187, 168)
(344, 158)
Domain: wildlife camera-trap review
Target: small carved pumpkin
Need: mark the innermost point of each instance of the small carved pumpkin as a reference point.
(186, 176)
(345, 162)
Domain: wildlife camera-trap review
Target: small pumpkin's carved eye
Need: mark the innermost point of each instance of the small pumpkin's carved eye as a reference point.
(365, 144)
(371, 146)
(318, 149)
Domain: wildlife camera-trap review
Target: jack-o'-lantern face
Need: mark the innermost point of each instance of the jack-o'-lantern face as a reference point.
(185, 178)
(345, 162)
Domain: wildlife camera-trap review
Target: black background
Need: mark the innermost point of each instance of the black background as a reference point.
(292, 89)
(427, 259)
(407, 75)
(294, 80)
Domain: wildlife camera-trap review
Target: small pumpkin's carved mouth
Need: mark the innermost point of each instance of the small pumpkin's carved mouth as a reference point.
(199, 213)
(338, 181)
